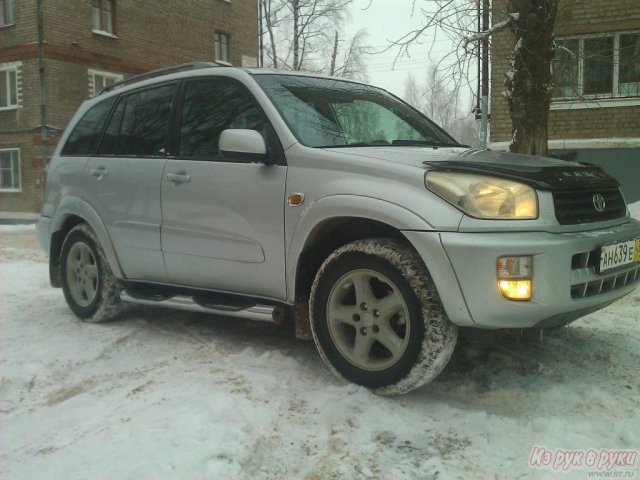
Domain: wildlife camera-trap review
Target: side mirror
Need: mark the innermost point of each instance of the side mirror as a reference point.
(243, 145)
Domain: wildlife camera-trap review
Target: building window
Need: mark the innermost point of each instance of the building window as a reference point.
(103, 16)
(629, 76)
(597, 66)
(10, 170)
(10, 91)
(7, 12)
(99, 80)
(223, 47)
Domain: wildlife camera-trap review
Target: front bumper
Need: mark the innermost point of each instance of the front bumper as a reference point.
(564, 288)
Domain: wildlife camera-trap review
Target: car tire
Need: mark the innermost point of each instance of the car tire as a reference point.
(90, 287)
(377, 319)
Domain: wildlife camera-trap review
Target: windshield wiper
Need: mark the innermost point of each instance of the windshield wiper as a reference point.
(431, 143)
(355, 144)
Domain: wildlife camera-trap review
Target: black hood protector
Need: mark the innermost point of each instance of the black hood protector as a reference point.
(572, 176)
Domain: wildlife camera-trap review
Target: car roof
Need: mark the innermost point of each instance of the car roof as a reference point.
(198, 69)
(298, 73)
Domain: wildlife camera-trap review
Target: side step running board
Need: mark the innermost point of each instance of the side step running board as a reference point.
(262, 313)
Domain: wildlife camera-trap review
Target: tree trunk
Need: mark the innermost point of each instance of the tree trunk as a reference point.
(269, 22)
(334, 55)
(296, 34)
(529, 82)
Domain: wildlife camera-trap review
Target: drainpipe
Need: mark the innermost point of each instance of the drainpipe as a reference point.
(43, 105)
(485, 78)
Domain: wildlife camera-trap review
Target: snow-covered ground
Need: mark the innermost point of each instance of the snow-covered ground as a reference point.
(169, 395)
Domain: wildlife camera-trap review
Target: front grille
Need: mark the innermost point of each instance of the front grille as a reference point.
(585, 282)
(577, 206)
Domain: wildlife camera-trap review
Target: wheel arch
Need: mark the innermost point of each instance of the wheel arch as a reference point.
(72, 213)
(330, 223)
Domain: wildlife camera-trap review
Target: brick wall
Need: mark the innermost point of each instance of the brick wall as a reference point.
(24, 31)
(588, 16)
(157, 32)
(148, 34)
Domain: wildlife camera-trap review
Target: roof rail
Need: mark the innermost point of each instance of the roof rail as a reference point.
(162, 71)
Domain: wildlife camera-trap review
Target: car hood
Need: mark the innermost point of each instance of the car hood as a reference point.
(540, 172)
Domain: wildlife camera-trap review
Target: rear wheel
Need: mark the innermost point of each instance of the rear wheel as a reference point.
(90, 288)
(377, 319)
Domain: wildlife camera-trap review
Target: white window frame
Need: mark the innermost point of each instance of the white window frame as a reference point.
(9, 11)
(598, 100)
(116, 77)
(219, 35)
(99, 29)
(19, 189)
(13, 67)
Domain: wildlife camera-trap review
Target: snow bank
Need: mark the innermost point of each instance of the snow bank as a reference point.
(18, 228)
(164, 395)
(634, 209)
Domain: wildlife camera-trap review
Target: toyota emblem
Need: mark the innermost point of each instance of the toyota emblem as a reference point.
(599, 203)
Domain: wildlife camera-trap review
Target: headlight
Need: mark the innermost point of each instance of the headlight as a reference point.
(482, 196)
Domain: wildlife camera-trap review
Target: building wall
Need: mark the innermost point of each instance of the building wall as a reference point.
(589, 16)
(148, 35)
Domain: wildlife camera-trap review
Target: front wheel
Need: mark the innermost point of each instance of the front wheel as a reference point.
(90, 288)
(377, 319)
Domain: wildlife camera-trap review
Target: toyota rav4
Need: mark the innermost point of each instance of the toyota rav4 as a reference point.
(269, 195)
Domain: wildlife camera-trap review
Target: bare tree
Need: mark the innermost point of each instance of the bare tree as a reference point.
(350, 62)
(309, 20)
(412, 94)
(272, 13)
(334, 53)
(440, 101)
(302, 34)
(529, 84)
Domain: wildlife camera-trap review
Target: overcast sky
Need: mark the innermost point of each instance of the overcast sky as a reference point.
(387, 20)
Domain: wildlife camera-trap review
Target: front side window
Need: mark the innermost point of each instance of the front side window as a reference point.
(83, 137)
(9, 79)
(7, 12)
(209, 108)
(334, 113)
(99, 80)
(145, 121)
(222, 47)
(103, 15)
(10, 170)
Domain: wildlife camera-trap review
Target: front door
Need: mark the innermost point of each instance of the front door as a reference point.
(222, 219)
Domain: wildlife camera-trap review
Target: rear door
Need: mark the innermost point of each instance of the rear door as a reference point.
(125, 178)
(223, 219)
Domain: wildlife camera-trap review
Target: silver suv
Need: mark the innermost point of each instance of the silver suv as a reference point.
(270, 195)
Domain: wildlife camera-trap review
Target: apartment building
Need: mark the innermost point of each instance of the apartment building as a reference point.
(595, 111)
(89, 44)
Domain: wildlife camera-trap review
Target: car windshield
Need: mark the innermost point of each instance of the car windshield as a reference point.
(325, 113)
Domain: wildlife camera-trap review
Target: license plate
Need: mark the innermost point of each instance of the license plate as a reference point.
(618, 254)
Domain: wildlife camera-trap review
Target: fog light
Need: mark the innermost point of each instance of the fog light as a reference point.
(515, 277)
(515, 289)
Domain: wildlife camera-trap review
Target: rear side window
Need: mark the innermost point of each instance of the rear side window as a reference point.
(109, 144)
(83, 138)
(144, 124)
(211, 106)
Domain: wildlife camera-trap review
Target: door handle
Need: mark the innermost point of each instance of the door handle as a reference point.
(99, 172)
(180, 177)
